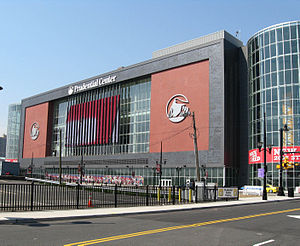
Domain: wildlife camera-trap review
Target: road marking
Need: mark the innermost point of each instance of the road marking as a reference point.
(294, 216)
(154, 231)
(266, 242)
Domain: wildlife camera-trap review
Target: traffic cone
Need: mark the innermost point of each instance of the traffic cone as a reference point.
(90, 205)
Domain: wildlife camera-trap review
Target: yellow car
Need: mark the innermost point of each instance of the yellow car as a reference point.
(271, 188)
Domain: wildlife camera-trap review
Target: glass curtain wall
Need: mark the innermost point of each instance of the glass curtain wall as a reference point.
(273, 58)
(133, 124)
(13, 131)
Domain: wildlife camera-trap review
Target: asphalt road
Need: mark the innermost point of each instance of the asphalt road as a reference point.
(260, 224)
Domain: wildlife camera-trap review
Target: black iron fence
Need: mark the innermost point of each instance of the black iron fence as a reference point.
(37, 196)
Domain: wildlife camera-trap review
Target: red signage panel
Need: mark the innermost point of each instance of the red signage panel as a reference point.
(256, 157)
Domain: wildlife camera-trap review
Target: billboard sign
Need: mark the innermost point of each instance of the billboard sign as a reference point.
(256, 157)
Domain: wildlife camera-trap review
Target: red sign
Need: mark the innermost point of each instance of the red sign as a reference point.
(11, 160)
(256, 157)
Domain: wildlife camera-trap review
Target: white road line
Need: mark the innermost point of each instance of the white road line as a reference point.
(262, 243)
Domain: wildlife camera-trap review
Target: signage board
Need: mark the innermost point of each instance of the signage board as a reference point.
(227, 192)
(256, 157)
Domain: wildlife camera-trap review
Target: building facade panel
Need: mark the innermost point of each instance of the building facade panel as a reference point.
(36, 131)
(168, 103)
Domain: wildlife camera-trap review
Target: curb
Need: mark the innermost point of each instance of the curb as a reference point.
(168, 209)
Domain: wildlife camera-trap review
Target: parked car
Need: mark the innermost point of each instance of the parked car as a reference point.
(271, 188)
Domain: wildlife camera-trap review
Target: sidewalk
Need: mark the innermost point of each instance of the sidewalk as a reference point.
(34, 216)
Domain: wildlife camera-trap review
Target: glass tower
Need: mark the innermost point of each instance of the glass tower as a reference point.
(273, 67)
(13, 132)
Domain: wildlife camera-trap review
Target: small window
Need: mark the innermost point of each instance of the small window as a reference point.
(287, 48)
(279, 34)
(286, 33)
(294, 61)
(288, 76)
(280, 63)
(267, 52)
(280, 48)
(293, 32)
(273, 50)
(266, 38)
(287, 62)
(272, 36)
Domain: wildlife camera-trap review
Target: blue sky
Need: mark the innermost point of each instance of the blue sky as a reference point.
(45, 44)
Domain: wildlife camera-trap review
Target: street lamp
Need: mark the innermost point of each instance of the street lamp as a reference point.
(280, 190)
(259, 145)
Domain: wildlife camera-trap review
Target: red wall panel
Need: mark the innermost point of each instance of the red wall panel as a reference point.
(193, 82)
(36, 114)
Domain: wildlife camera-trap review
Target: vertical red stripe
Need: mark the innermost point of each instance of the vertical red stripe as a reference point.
(107, 120)
(101, 121)
(98, 120)
(85, 123)
(111, 117)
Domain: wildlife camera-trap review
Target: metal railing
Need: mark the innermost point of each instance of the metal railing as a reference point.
(36, 196)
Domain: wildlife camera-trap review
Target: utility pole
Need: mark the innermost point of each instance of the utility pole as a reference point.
(196, 148)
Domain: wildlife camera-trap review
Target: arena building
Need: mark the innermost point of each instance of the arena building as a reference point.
(134, 125)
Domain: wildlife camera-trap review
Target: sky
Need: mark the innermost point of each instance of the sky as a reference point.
(46, 44)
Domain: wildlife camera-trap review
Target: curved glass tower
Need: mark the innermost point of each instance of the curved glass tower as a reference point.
(273, 58)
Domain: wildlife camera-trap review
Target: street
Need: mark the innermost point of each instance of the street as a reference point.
(260, 224)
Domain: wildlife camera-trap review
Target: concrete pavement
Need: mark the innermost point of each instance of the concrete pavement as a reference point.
(34, 216)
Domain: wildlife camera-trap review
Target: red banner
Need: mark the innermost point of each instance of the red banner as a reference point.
(256, 157)
(93, 122)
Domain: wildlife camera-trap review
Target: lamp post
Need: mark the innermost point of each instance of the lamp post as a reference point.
(280, 190)
(260, 144)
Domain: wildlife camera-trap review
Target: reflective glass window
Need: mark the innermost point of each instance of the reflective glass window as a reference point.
(288, 77)
(293, 32)
(274, 94)
(295, 76)
(274, 108)
(268, 109)
(280, 48)
(294, 46)
(287, 47)
(294, 61)
(267, 66)
(296, 91)
(272, 36)
(281, 93)
(273, 50)
(268, 95)
(266, 38)
(267, 52)
(273, 65)
(288, 92)
(279, 34)
(286, 33)
(280, 63)
(268, 80)
(281, 78)
(287, 62)
(274, 79)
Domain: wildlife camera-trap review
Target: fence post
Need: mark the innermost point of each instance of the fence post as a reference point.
(116, 190)
(147, 195)
(78, 186)
(31, 199)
